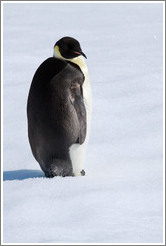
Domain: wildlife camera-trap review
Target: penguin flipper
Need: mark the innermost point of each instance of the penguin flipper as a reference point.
(77, 96)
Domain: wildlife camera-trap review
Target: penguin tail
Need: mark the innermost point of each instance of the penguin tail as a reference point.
(61, 167)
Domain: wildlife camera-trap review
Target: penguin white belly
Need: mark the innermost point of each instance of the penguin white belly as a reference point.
(77, 151)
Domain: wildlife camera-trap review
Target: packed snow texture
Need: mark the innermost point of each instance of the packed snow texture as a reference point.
(120, 198)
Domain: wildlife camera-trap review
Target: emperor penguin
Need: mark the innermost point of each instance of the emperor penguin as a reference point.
(59, 111)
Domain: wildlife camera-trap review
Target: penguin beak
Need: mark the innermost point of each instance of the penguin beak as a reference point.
(80, 53)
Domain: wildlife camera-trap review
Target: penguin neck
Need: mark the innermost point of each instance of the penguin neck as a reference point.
(79, 61)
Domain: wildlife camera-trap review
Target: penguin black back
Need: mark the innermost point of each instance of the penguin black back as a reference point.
(56, 115)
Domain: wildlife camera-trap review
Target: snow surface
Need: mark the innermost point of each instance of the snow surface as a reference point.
(120, 198)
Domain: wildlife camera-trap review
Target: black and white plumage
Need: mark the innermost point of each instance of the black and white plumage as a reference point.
(58, 111)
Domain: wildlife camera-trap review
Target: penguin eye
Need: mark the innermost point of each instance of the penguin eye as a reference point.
(70, 47)
(73, 47)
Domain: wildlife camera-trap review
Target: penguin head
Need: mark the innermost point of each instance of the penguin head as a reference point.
(67, 48)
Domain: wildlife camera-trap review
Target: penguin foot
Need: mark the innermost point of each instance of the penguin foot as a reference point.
(82, 173)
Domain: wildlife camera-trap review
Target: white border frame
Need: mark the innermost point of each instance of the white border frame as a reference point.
(93, 2)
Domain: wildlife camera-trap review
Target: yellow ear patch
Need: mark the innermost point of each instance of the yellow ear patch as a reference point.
(57, 52)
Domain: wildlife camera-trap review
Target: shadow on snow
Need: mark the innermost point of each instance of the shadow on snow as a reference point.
(22, 174)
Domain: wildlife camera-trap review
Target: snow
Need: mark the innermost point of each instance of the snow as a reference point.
(120, 200)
